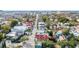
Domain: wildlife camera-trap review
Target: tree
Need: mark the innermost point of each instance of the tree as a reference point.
(29, 30)
(24, 38)
(48, 26)
(13, 22)
(47, 44)
(71, 43)
(0, 27)
(65, 31)
(5, 28)
(78, 38)
(62, 43)
(72, 23)
(63, 19)
(1, 36)
(45, 18)
(50, 33)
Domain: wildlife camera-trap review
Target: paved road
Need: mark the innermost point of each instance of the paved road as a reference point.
(31, 43)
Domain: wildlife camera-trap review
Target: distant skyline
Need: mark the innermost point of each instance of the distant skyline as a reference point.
(14, 5)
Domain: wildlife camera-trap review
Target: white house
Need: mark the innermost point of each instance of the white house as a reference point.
(12, 34)
(75, 30)
(41, 26)
(16, 32)
(19, 29)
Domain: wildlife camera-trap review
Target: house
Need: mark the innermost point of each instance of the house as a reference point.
(16, 32)
(40, 35)
(56, 26)
(58, 33)
(60, 36)
(41, 26)
(8, 43)
(28, 24)
(12, 36)
(19, 29)
(75, 30)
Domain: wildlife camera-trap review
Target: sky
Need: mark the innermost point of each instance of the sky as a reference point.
(39, 4)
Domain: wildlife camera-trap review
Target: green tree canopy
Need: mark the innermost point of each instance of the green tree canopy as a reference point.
(63, 19)
(71, 43)
(5, 28)
(45, 18)
(62, 43)
(65, 31)
(13, 22)
(50, 33)
(48, 44)
(24, 38)
(72, 23)
(1, 36)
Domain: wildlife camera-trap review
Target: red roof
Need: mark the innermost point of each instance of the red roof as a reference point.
(41, 36)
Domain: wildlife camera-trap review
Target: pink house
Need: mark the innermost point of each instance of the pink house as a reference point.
(29, 24)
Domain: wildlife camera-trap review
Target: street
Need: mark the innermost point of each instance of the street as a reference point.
(31, 42)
